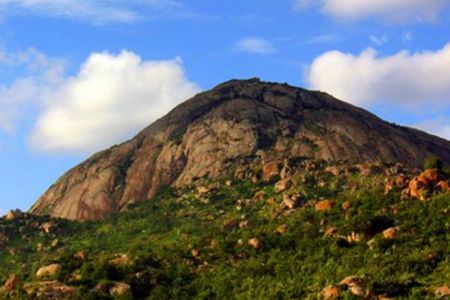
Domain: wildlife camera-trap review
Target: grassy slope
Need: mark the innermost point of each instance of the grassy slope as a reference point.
(160, 234)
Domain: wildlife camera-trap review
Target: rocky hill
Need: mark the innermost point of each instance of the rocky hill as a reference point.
(307, 229)
(221, 129)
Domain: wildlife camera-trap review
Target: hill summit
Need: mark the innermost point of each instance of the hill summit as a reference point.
(219, 130)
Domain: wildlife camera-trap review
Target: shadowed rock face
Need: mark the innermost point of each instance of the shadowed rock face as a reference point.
(204, 135)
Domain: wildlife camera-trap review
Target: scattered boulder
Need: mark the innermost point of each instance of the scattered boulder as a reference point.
(13, 215)
(270, 170)
(203, 190)
(195, 253)
(114, 288)
(230, 225)
(50, 270)
(346, 205)
(324, 205)
(330, 231)
(354, 238)
(119, 289)
(390, 233)
(431, 176)
(121, 260)
(418, 188)
(356, 285)
(292, 201)
(81, 255)
(335, 170)
(50, 290)
(369, 169)
(255, 243)
(282, 229)
(283, 185)
(443, 291)
(259, 196)
(422, 185)
(331, 292)
(399, 182)
(48, 227)
(243, 224)
(12, 283)
(443, 186)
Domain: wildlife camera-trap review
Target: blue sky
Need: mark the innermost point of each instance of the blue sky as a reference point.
(77, 76)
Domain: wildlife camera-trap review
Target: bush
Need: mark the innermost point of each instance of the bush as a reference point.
(446, 171)
(433, 162)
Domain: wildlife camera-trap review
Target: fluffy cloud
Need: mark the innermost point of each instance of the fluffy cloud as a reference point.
(408, 80)
(98, 12)
(398, 10)
(254, 45)
(111, 98)
(39, 74)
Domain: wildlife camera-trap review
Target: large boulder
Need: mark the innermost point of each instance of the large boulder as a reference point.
(271, 170)
(12, 283)
(50, 270)
(324, 205)
(49, 290)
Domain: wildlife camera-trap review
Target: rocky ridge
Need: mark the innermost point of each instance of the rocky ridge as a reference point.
(219, 130)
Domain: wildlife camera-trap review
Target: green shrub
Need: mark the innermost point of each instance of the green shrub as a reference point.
(433, 162)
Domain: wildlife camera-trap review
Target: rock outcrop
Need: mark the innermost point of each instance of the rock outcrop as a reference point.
(208, 134)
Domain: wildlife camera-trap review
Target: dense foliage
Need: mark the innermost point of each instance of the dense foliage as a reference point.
(159, 237)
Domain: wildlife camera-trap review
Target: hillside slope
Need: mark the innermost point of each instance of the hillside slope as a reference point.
(319, 231)
(217, 129)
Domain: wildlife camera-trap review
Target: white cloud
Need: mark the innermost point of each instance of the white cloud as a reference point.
(93, 11)
(439, 126)
(404, 80)
(39, 74)
(111, 98)
(254, 45)
(394, 10)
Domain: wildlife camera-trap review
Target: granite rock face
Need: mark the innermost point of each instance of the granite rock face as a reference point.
(205, 135)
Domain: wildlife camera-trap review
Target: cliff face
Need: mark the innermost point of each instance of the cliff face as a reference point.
(206, 134)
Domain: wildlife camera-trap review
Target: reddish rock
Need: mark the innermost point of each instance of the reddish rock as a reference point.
(12, 283)
(255, 243)
(331, 292)
(390, 233)
(443, 186)
(443, 291)
(49, 290)
(356, 285)
(432, 176)
(50, 270)
(81, 255)
(283, 185)
(418, 188)
(346, 205)
(292, 201)
(330, 231)
(324, 205)
(271, 170)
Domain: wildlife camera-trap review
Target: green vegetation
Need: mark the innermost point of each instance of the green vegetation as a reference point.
(158, 237)
(433, 162)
